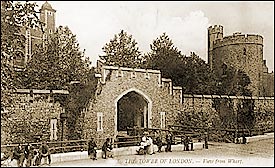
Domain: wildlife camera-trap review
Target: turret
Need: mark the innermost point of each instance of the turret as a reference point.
(214, 33)
(47, 16)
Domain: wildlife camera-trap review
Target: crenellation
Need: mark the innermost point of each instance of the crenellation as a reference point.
(238, 39)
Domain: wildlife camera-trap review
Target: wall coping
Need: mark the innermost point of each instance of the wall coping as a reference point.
(36, 91)
(131, 69)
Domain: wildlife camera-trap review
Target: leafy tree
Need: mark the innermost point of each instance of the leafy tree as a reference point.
(56, 63)
(233, 82)
(195, 76)
(122, 51)
(163, 56)
(190, 72)
(14, 16)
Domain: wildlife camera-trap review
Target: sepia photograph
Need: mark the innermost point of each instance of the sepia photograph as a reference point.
(137, 83)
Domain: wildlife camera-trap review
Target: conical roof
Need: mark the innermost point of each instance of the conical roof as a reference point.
(47, 6)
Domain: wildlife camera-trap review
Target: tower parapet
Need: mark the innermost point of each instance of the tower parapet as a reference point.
(238, 38)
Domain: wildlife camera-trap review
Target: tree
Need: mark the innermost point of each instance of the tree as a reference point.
(232, 81)
(14, 16)
(56, 63)
(163, 56)
(122, 51)
(195, 76)
(190, 72)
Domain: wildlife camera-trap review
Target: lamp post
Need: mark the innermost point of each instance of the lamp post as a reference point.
(63, 117)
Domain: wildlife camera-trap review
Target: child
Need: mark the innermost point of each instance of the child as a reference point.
(92, 149)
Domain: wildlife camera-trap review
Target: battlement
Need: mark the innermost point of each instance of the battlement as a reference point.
(215, 29)
(112, 73)
(238, 38)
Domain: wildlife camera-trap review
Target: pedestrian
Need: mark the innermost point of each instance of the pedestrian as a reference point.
(29, 154)
(44, 152)
(18, 155)
(185, 143)
(206, 140)
(92, 149)
(159, 143)
(191, 143)
(150, 149)
(168, 141)
(244, 139)
(107, 149)
(36, 161)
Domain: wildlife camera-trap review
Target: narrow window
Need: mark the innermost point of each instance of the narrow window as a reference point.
(162, 119)
(147, 75)
(99, 122)
(133, 74)
(53, 129)
(244, 51)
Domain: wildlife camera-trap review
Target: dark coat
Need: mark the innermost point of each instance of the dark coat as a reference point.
(107, 146)
(29, 151)
(17, 152)
(44, 150)
(91, 147)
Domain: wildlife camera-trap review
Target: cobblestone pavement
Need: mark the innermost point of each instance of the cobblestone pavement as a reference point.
(260, 153)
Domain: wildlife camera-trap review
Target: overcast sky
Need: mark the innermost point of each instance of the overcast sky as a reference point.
(96, 22)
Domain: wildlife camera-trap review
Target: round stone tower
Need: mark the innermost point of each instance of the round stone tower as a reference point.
(243, 52)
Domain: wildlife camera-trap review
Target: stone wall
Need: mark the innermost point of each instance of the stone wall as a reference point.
(115, 82)
(30, 116)
(242, 51)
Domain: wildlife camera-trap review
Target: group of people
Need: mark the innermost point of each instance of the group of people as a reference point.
(147, 143)
(106, 149)
(27, 155)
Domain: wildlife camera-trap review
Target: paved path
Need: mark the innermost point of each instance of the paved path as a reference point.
(258, 153)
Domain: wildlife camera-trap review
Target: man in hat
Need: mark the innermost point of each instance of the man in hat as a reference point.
(168, 141)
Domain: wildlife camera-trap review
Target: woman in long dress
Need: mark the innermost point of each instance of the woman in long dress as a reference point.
(150, 149)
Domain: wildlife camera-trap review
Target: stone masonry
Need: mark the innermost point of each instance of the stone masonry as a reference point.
(29, 119)
(161, 95)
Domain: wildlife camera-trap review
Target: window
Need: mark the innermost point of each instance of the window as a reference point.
(53, 129)
(147, 75)
(133, 74)
(50, 31)
(162, 119)
(99, 121)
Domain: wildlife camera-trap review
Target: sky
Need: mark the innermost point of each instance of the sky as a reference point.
(96, 22)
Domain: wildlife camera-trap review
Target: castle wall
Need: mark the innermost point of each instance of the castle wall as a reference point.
(268, 84)
(115, 82)
(30, 117)
(244, 52)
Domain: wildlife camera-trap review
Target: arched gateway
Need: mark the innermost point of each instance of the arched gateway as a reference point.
(132, 108)
(128, 97)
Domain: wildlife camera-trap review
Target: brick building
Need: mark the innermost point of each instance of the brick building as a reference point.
(37, 35)
(243, 52)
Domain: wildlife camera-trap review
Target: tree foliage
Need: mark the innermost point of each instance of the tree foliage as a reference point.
(190, 72)
(14, 16)
(163, 56)
(122, 51)
(233, 82)
(56, 63)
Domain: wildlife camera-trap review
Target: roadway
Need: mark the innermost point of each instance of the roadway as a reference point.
(258, 153)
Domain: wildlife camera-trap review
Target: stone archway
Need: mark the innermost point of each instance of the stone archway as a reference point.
(132, 108)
